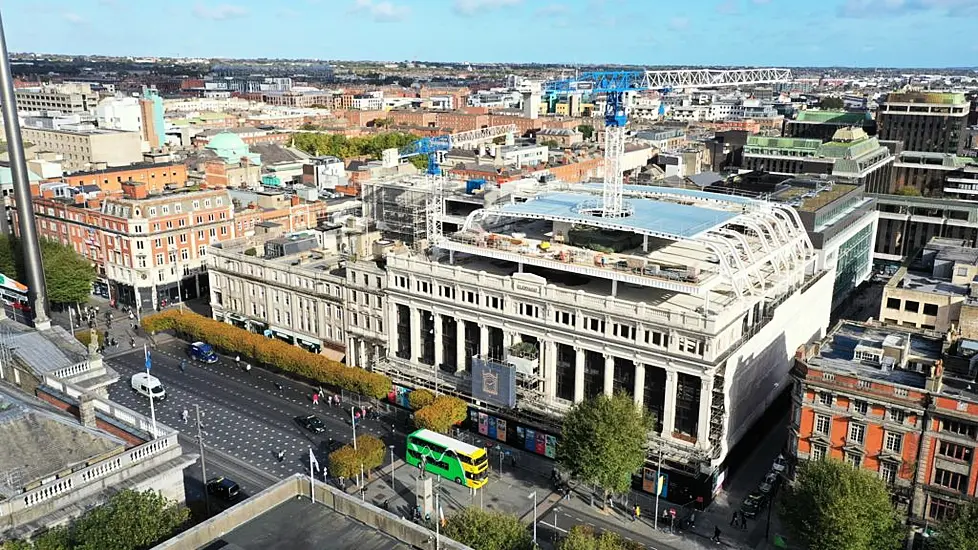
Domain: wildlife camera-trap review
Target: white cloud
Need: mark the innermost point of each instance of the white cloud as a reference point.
(220, 12)
(553, 10)
(474, 7)
(728, 7)
(383, 12)
(679, 23)
(73, 18)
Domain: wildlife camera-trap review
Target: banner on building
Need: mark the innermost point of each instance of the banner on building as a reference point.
(494, 382)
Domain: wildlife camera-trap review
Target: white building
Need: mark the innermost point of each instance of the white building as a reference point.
(120, 113)
(370, 101)
(695, 315)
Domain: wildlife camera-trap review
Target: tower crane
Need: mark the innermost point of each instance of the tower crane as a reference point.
(431, 146)
(617, 85)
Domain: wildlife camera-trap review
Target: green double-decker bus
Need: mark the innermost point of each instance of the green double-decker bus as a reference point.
(447, 457)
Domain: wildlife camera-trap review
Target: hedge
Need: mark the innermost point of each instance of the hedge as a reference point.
(443, 413)
(233, 340)
(85, 336)
(420, 398)
(346, 461)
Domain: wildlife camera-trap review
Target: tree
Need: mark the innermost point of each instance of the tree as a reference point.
(831, 103)
(420, 398)
(833, 506)
(550, 143)
(586, 130)
(485, 530)
(443, 413)
(347, 461)
(960, 531)
(582, 537)
(603, 441)
(908, 191)
(69, 275)
(9, 256)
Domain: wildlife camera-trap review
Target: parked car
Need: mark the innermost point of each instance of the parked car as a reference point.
(199, 351)
(223, 488)
(765, 488)
(312, 423)
(147, 385)
(779, 464)
(753, 504)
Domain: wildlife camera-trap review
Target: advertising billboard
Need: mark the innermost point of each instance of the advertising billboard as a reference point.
(494, 382)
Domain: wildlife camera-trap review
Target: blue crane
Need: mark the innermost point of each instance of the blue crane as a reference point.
(615, 85)
(429, 147)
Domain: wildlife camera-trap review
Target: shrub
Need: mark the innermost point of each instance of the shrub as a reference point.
(85, 336)
(346, 461)
(420, 398)
(443, 413)
(233, 340)
(251, 252)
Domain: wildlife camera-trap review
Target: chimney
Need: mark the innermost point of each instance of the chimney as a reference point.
(935, 377)
(86, 410)
(134, 190)
(295, 200)
(80, 198)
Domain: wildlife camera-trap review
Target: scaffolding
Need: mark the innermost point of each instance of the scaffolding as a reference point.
(401, 208)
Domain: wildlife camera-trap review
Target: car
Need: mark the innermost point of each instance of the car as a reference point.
(752, 505)
(147, 385)
(199, 351)
(779, 464)
(223, 488)
(312, 423)
(766, 488)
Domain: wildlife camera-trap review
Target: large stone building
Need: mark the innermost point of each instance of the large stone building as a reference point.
(822, 125)
(925, 121)
(88, 149)
(67, 98)
(908, 223)
(690, 308)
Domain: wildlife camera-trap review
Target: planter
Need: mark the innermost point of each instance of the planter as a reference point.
(523, 365)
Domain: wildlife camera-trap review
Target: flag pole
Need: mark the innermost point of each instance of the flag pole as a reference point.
(312, 477)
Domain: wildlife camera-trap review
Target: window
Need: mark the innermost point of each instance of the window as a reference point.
(893, 303)
(623, 331)
(857, 432)
(939, 509)
(930, 309)
(152, 210)
(159, 259)
(898, 416)
(470, 297)
(854, 460)
(860, 407)
(951, 480)
(565, 318)
(864, 385)
(424, 287)
(528, 310)
(825, 399)
(900, 392)
(158, 243)
(955, 451)
(958, 428)
(818, 452)
(893, 442)
(446, 291)
(140, 245)
(196, 205)
(823, 424)
(655, 338)
(594, 324)
(911, 306)
(170, 240)
(828, 376)
(494, 302)
(888, 472)
(400, 281)
(178, 208)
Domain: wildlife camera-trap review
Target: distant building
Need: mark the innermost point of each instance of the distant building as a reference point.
(157, 177)
(822, 125)
(908, 223)
(925, 121)
(928, 173)
(90, 149)
(67, 98)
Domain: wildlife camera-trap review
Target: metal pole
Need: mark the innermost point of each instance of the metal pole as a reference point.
(534, 495)
(658, 476)
(22, 193)
(353, 422)
(363, 483)
(152, 409)
(203, 466)
(71, 321)
(392, 466)
(312, 479)
(437, 521)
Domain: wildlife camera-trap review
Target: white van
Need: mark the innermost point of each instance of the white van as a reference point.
(147, 385)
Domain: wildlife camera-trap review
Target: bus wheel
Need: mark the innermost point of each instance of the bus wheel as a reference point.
(458, 480)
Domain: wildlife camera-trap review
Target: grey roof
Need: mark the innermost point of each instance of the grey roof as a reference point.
(705, 179)
(45, 352)
(211, 132)
(960, 254)
(925, 282)
(38, 443)
(273, 153)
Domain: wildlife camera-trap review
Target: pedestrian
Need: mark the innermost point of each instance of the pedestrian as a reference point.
(186, 416)
(281, 456)
(716, 535)
(735, 520)
(315, 399)
(636, 512)
(183, 365)
(278, 386)
(131, 316)
(132, 341)
(248, 368)
(237, 359)
(743, 521)
(321, 392)
(611, 503)
(356, 415)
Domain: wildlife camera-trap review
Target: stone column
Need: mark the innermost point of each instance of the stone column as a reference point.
(639, 390)
(483, 341)
(439, 344)
(609, 375)
(352, 357)
(669, 404)
(579, 375)
(415, 334)
(706, 402)
(460, 345)
(548, 365)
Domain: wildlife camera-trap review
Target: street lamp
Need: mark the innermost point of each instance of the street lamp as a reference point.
(533, 495)
(392, 466)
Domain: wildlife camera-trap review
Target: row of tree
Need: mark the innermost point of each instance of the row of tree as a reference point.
(338, 145)
(68, 274)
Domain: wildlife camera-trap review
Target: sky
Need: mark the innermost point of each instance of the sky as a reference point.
(862, 33)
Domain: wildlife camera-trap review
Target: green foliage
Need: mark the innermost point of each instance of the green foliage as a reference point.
(551, 143)
(831, 103)
(603, 441)
(443, 413)
(346, 461)
(586, 130)
(833, 506)
(420, 398)
(419, 161)
(484, 530)
(251, 252)
(129, 521)
(959, 532)
(233, 340)
(85, 336)
(343, 147)
(69, 275)
(582, 537)
(908, 191)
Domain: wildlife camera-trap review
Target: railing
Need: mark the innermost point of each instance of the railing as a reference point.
(73, 370)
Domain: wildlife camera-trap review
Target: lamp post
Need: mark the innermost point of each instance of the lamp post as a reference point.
(392, 466)
(658, 477)
(533, 495)
(353, 422)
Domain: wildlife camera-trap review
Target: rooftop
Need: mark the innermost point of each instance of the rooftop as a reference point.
(934, 98)
(813, 116)
(924, 282)
(134, 166)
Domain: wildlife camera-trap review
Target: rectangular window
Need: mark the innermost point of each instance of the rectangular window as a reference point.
(864, 385)
(854, 460)
(159, 259)
(954, 451)
(470, 297)
(951, 480)
(823, 424)
(565, 318)
(898, 416)
(893, 442)
(939, 509)
(911, 306)
(861, 407)
(818, 452)
(960, 428)
(424, 287)
(594, 324)
(828, 377)
(888, 472)
(930, 309)
(857, 432)
(528, 310)
(893, 303)
(400, 281)
(900, 392)
(446, 291)
(825, 399)
(494, 302)
(623, 331)
(655, 338)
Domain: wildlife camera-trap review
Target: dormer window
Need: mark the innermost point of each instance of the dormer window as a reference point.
(870, 356)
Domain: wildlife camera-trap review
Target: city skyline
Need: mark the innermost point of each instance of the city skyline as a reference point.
(857, 33)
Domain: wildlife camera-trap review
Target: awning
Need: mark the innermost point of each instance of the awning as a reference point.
(333, 354)
(307, 340)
